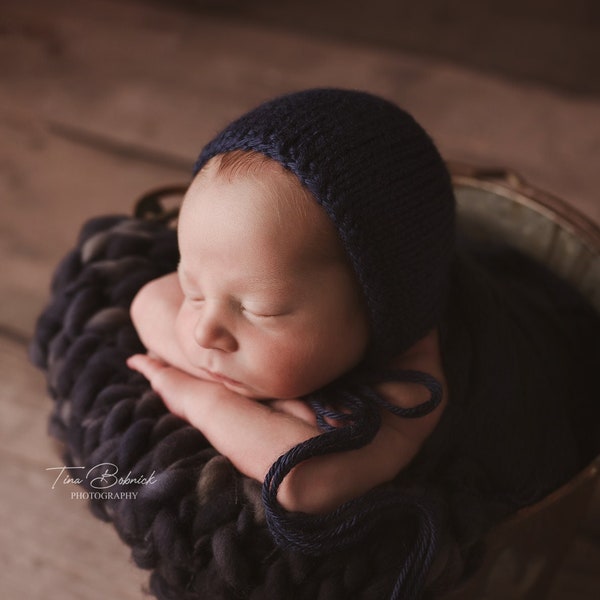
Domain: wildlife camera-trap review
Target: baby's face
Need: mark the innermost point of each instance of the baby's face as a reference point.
(271, 309)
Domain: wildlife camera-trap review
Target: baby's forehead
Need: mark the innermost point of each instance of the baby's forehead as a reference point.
(286, 202)
(283, 184)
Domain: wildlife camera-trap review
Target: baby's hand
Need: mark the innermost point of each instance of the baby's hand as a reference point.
(177, 388)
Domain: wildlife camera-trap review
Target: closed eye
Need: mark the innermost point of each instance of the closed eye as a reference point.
(263, 314)
(257, 314)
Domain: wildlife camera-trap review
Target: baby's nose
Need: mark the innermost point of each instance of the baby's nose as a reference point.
(211, 331)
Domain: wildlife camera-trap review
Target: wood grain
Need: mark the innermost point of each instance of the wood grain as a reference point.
(150, 75)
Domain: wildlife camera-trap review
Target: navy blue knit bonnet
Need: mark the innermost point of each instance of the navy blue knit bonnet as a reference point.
(383, 184)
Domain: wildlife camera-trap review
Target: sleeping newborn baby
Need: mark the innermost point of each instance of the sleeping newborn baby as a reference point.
(263, 310)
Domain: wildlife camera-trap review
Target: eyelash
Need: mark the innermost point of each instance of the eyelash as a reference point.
(254, 314)
(243, 309)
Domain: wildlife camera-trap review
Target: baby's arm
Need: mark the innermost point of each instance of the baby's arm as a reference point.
(253, 435)
(250, 433)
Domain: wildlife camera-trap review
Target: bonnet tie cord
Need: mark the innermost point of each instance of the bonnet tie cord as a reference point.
(350, 522)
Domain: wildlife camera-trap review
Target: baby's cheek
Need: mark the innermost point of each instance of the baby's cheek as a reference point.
(292, 369)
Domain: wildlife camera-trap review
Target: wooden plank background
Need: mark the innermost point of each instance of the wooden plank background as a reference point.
(550, 41)
(101, 100)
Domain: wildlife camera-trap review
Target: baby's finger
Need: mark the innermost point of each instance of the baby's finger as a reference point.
(164, 379)
(145, 365)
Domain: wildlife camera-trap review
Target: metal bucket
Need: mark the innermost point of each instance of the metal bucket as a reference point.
(524, 552)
